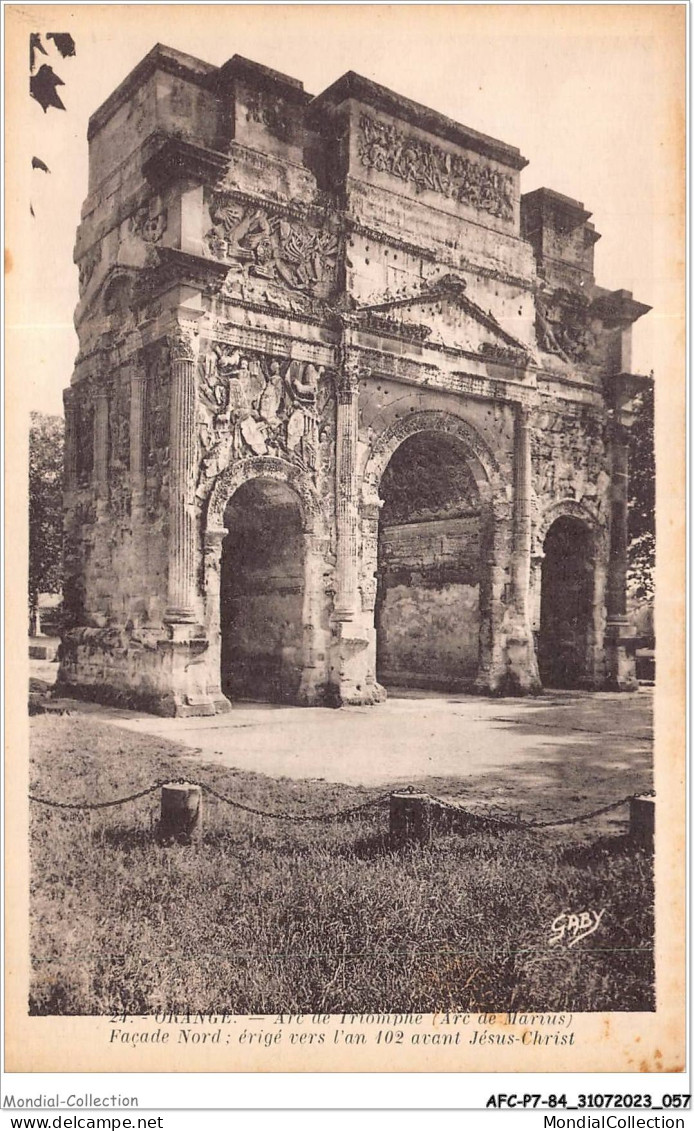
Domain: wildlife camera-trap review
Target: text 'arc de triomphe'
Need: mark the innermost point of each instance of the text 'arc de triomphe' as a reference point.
(349, 412)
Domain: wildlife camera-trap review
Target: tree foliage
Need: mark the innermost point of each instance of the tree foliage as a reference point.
(46, 441)
(642, 499)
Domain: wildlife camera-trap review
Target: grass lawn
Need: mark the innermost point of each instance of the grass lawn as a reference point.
(268, 917)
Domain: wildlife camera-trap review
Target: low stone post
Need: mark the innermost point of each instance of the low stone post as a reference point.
(642, 821)
(410, 818)
(181, 813)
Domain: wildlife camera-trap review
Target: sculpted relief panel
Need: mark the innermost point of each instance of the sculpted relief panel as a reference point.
(156, 430)
(387, 149)
(269, 111)
(271, 254)
(562, 324)
(569, 458)
(254, 405)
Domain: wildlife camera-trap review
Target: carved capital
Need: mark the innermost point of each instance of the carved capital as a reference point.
(371, 509)
(181, 344)
(617, 428)
(348, 378)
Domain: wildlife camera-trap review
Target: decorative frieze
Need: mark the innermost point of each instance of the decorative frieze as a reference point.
(387, 149)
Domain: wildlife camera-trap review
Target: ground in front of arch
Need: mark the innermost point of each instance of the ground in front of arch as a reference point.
(331, 916)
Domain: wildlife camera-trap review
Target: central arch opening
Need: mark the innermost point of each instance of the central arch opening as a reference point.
(262, 593)
(566, 605)
(429, 567)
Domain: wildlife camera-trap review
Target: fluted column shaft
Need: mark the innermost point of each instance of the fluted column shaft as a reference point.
(346, 492)
(182, 535)
(70, 459)
(101, 443)
(522, 511)
(619, 528)
(137, 418)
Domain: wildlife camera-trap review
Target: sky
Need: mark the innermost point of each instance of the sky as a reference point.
(592, 96)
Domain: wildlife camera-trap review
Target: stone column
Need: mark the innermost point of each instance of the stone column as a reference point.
(213, 545)
(316, 639)
(621, 674)
(101, 443)
(346, 491)
(70, 462)
(182, 533)
(137, 419)
(353, 654)
(522, 513)
(521, 673)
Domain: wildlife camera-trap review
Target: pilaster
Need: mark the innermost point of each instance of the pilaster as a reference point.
(522, 671)
(353, 660)
(101, 443)
(137, 417)
(620, 663)
(346, 490)
(182, 531)
(70, 458)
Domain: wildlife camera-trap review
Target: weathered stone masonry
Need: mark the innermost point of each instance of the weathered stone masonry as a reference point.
(348, 411)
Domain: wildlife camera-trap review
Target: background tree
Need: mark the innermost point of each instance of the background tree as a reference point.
(642, 500)
(46, 441)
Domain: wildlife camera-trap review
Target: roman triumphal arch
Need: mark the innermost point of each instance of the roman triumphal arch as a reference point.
(339, 422)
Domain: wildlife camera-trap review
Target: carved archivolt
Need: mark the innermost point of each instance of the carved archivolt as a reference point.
(566, 508)
(263, 467)
(481, 460)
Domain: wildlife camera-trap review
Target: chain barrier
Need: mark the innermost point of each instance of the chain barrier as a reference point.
(340, 814)
(299, 818)
(518, 823)
(98, 804)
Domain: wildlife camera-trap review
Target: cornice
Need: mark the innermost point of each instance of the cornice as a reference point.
(352, 86)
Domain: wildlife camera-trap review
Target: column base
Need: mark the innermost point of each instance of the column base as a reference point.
(122, 666)
(620, 660)
(352, 677)
(164, 703)
(179, 615)
(514, 671)
(521, 676)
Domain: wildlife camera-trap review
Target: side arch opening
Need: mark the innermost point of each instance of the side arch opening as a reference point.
(566, 605)
(262, 593)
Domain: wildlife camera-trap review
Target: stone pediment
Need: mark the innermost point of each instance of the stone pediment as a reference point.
(442, 313)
